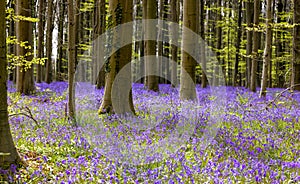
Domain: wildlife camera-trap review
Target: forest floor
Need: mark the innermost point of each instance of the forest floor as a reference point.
(258, 140)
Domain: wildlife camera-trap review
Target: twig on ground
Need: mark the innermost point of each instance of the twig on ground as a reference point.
(27, 114)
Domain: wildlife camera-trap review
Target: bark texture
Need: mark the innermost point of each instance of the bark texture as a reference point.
(6, 141)
(188, 78)
(296, 47)
(267, 51)
(121, 12)
(25, 81)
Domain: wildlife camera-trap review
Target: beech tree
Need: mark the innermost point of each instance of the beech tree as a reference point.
(174, 40)
(296, 47)
(72, 59)
(255, 46)
(249, 33)
(202, 34)
(150, 46)
(267, 52)
(48, 75)
(188, 78)
(8, 152)
(99, 29)
(25, 80)
(121, 12)
(60, 53)
(238, 43)
(40, 47)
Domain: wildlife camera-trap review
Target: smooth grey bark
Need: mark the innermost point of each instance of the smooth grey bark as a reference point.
(188, 66)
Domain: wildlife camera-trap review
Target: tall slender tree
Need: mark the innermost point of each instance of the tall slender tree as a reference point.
(255, 46)
(295, 82)
(8, 152)
(174, 40)
(280, 64)
(188, 66)
(60, 38)
(71, 60)
(25, 81)
(40, 40)
(150, 48)
(249, 21)
(50, 27)
(218, 34)
(99, 28)
(267, 52)
(202, 34)
(160, 44)
(238, 43)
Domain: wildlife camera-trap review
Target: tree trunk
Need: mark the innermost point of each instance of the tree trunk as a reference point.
(202, 34)
(160, 44)
(174, 41)
(218, 46)
(166, 48)
(120, 10)
(40, 41)
(71, 61)
(25, 81)
(101, 75)
(12, 47)
(267, 52)
(150, 49)
(59, 62)
(48, 77)
(295, 82)
(280, 64)
(6, 141)
(249, 21)
(187, 78)
(255, 46)
(238, 43)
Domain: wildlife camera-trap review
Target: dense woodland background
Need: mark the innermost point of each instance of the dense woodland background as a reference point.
(247, 36)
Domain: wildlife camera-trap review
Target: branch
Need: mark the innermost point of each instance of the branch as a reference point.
(29, 115)
(281, 93)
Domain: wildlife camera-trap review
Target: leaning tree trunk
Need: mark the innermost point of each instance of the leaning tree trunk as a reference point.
(295, 82)
(187, 78)
(25, 81)
(255, 46)
(267, 52)
(8, 152)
